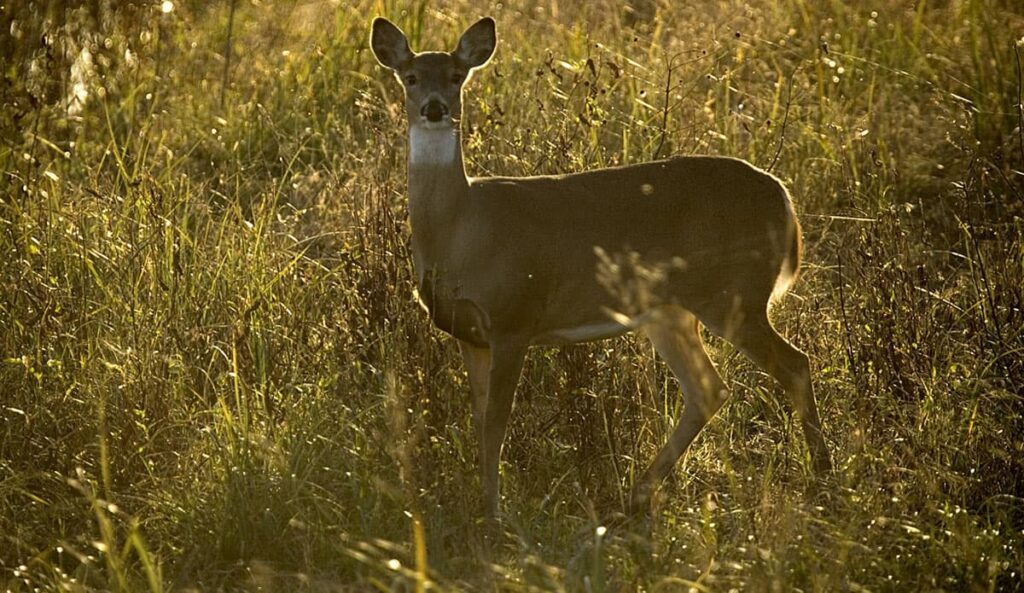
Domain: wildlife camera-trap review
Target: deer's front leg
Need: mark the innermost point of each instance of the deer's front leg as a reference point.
(478, 367)
(506, 365)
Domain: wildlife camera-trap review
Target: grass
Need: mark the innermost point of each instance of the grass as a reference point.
(214, 375)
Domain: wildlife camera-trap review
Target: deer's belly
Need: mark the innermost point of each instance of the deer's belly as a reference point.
(583, 333)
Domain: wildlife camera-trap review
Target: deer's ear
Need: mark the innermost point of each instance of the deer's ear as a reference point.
(389, 44)
(476, 45)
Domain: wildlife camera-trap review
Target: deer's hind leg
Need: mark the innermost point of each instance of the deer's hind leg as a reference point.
(674, 332)
(759, 341)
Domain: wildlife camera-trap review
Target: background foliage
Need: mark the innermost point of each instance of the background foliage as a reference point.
(214, 375)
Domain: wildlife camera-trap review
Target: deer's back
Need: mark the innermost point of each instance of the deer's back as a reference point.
(690, 207)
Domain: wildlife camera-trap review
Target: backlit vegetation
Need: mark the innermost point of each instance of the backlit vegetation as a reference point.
(214, 376)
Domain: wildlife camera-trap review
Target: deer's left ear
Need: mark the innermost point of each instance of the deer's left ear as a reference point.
(476, 45)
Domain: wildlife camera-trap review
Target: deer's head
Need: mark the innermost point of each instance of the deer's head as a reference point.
(433, 80)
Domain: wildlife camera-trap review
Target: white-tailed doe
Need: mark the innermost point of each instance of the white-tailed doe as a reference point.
(504, 263)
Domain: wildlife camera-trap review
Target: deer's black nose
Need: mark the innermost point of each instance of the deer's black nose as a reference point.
(434, 110)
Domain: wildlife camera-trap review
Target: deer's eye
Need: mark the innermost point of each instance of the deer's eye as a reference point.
(457, 78)
(410, 79)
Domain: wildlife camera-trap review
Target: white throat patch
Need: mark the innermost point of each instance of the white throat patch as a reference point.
(432, 146)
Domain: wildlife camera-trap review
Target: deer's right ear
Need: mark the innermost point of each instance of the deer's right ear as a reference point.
(390, 46)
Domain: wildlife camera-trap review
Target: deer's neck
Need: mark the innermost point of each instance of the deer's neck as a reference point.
(437, 184)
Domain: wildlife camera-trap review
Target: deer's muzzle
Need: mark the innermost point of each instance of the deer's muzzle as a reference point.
(434, 110)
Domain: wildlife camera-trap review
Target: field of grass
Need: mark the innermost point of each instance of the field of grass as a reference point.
(214, 375)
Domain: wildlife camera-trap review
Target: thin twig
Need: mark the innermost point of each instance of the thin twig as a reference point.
(785, 120)
(1020, 105)
(664, 109)
(227, 53)
(979, 267)
(847, 333)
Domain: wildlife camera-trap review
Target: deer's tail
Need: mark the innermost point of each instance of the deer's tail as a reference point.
(791, 264)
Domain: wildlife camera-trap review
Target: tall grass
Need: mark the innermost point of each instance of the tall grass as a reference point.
(214, 374)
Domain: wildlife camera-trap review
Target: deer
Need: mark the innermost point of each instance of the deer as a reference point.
(506, 263)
